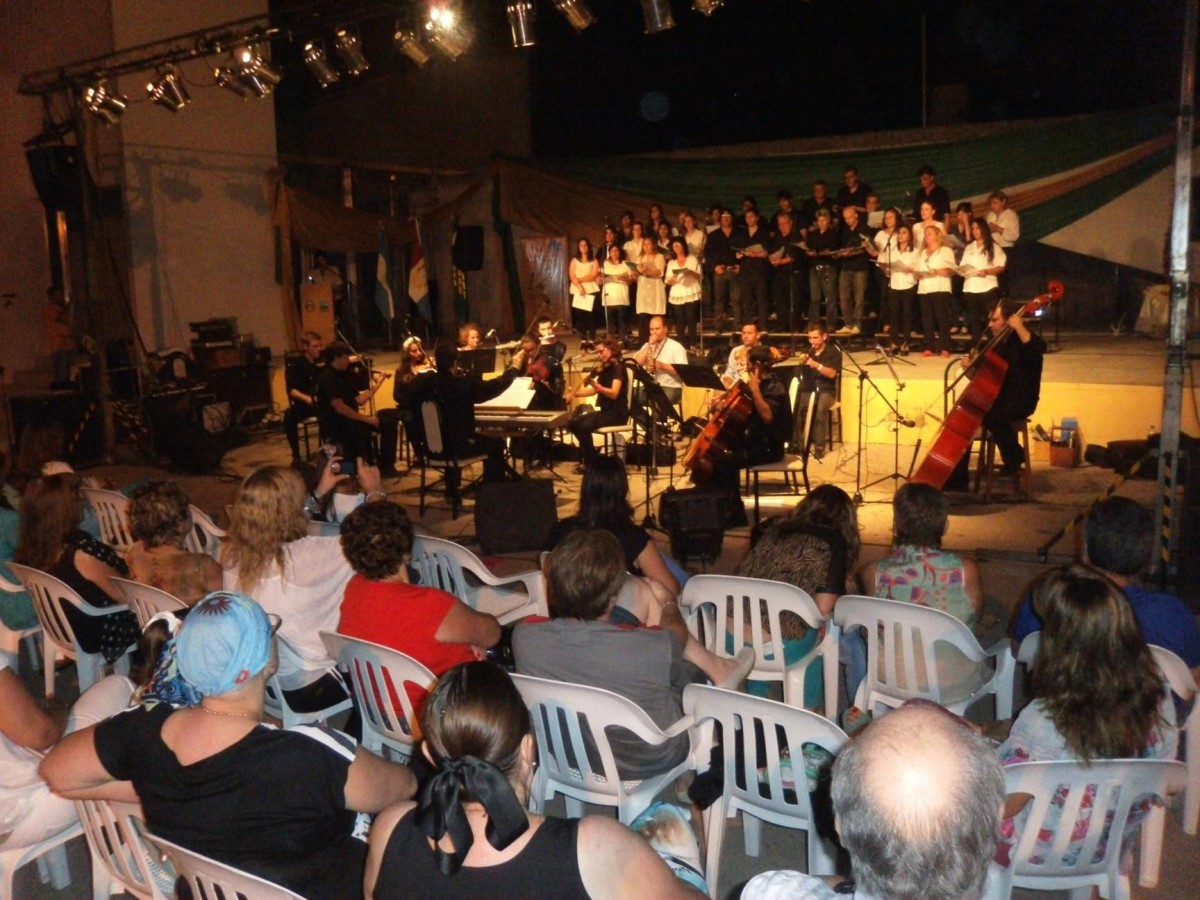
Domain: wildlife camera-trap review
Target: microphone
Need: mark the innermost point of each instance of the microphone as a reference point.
(490, 336)
(907, 423)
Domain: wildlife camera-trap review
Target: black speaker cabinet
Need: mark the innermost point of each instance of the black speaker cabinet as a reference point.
(499, 526)
(55, 174)
(80, 416)
(177, 418)
(467, 251)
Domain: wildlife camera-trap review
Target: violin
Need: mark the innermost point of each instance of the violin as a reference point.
(600, 367)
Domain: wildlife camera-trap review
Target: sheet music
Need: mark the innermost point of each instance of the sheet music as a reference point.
(517, 395)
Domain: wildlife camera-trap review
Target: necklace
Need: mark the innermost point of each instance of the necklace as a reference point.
(229, 715)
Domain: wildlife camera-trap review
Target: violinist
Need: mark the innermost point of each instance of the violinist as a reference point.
(607, 382)
(342, 423)
(819, 373)
(540, 358)
(414, 362)
(1022, 386)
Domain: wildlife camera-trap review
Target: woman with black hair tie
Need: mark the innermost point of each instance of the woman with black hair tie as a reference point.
(584, 275)
(469, 834)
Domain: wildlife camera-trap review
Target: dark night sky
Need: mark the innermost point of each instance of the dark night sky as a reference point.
(775, 69)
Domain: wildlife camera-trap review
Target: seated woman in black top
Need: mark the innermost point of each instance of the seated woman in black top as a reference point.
(51, 540)
(469, 834)
(604, 503)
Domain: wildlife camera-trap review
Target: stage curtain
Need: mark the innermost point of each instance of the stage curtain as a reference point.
(324, 223)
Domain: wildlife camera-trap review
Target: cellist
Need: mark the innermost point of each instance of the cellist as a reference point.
(1022, 385)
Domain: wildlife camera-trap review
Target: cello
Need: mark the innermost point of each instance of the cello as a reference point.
(958, 431)
(720, 434)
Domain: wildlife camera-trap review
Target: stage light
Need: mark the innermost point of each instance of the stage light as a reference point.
(521, 18)
(447, 33)
(254, 72)
(707, 7)
(576, 12)
(657, 15)
(103, 102)
(349, 48)
(169, 91)
(230, 80)
(409, 43)
(318, 64)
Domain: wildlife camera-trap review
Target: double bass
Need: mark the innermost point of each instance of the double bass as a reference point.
(958, 431)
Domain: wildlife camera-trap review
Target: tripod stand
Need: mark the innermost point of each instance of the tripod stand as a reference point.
(896, 418)
(656, 407)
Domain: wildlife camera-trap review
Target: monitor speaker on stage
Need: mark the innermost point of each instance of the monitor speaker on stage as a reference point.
(467, 252)
(494, 515)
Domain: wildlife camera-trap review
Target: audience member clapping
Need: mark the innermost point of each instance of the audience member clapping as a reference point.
(469, 834)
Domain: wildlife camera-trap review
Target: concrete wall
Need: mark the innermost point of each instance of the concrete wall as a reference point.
(199, 224)
(34, 35)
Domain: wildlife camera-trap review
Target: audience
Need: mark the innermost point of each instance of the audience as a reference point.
(279, 804)
(51, 540)
(159, 520)
(382, 605)
(581, 644)
(1119, 539)
(917, 799)
(1096, 692)
(469, 834)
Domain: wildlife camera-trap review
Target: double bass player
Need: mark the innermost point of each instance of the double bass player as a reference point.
(1021, 390)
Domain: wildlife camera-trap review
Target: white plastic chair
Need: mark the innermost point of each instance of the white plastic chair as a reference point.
(901, 661)
(275, 702)
(379, 676)
(793, 468)
(58, 637)
(112, 514)
(121, 861)
(570, 722)
(455, 569)
(10, 641)
(1183, 685)
(1119, 783)
(1026, 653)
(769, 795)
(146, 601)
(710, 599)
(212, 880)
(204, 536)
(51, 859)
(434, 454)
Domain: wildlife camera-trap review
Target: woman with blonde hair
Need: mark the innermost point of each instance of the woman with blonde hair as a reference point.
(935, 264)
(298, 577)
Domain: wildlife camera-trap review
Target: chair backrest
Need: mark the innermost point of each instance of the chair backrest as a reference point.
(112, 514)
(456, 570)
(755, 730)
(1079, 801)
(730, 610)
(114, 835)
(570, 722)
(440, 565)
(900, 644)
(47, 592)
(380, 677)
(212, 880)
(1183, 685)
(204, 535)
(146, 601)
(430, 433)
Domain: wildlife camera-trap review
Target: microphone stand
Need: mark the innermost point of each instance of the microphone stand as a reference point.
(863, 375)
(898, 420)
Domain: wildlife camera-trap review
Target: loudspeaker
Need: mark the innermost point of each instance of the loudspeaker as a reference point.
(467, 252)
(55, 174)
(179, 432)
(80, 416)
(514, 516)
(695, 519)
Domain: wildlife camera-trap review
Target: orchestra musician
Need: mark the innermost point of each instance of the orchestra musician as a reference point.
(540, 358)
(1021, 389)
(414, 363)
(470, 337)
(606, 382)
(300, 378)
(751, 338)
(819, 373)
(659, 356)
(338, 400)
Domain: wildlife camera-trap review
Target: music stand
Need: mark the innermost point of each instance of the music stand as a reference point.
(477, 363)
(699, 377)
(656, 408)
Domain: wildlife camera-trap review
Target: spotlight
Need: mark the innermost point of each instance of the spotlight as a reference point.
(521, 17)
(707, 7)
(657, 15)
(577, 13)
(409, 43)
(254, 72)
(318, 64)
(169, 91)
(349, 48)
(448, 34)
(230, 80)
(102, 101)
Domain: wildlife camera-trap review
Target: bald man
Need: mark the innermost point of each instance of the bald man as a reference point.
(917, 799)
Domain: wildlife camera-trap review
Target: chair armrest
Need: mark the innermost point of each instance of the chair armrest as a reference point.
(97, 611)
(678, 727)
(1006, 670)
(10, 587)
